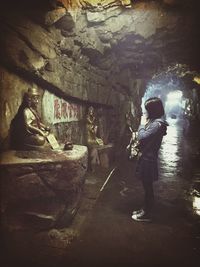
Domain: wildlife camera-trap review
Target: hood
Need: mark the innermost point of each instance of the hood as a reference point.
(164, 125)
(162, 121)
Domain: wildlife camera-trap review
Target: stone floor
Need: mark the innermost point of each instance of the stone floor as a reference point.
(109, 237)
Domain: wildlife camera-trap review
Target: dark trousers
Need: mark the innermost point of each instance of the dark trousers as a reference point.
(148, 195)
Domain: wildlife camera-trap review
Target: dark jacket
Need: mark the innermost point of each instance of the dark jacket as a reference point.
(150, 137)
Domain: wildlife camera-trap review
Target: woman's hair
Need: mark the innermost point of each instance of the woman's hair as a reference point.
(154, 107)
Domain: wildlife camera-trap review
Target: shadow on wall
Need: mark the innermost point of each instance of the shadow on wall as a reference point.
(17, 128)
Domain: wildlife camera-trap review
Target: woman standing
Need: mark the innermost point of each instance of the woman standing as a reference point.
(150, 135)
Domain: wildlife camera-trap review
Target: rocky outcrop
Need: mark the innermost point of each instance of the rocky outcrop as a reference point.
(94, 5)
(41, 190)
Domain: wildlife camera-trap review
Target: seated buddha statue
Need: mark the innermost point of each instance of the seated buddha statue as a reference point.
(35, 131)
(27, 130)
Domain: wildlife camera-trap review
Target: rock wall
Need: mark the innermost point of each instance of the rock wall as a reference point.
(52, 53)
(98, 54)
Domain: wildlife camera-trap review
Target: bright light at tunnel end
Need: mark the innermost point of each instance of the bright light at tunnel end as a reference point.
(174, 99)
(174, 96)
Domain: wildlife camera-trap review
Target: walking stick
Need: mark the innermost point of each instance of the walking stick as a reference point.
(102, 188)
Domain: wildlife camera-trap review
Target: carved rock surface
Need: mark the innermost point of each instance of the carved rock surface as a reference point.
(39, 188)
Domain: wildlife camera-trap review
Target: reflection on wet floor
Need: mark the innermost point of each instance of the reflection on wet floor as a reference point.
(195, 192)
(110, 236)
(196, 205)
(195, 200)
(176, 162)
(170, 152)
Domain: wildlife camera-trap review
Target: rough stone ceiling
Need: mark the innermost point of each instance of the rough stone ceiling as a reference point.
(93, 4)
(98, 4)
(144, 37)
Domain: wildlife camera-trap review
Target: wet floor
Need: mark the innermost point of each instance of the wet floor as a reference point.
(109, 237)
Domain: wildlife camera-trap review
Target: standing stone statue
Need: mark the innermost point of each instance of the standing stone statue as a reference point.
(93, 141)
(91, 129)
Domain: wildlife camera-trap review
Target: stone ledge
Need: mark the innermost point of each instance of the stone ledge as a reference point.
(12, 157)
(44, 191)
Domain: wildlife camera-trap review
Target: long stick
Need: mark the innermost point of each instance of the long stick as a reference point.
(102, 188)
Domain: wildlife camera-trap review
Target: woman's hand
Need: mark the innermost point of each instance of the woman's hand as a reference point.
(43, 133)
(47, 128)
(143, 119)
(134, 135)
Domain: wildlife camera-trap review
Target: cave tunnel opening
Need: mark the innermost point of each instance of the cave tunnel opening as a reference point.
(180, 96)
(179, 92)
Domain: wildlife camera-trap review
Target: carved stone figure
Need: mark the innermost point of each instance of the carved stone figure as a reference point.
(27, 129)
(91, 129)
(93, 141)
(35, 131)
